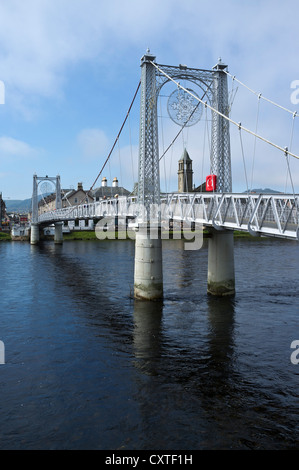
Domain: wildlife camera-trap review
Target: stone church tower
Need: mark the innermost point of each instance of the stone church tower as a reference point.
(185, 174)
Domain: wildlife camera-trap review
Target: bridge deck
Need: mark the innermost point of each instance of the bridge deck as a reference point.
(266, 214)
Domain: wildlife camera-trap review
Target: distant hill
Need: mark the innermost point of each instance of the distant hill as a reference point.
(16, 205)
(264, 191)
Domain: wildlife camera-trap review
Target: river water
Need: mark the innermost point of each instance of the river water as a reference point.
(87, 367)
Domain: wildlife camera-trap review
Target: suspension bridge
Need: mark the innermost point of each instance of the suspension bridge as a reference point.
(217, 208)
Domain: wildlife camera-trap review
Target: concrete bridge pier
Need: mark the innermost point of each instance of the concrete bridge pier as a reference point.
(34, 234)
(58, 236)
(221, 266)
(148, 275)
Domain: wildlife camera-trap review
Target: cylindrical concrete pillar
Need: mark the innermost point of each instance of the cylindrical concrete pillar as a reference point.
(34, 234)
(58, 236)
(221, 266)
(148, 277)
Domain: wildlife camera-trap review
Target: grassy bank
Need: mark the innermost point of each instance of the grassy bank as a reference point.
(4, 236)
(91, 235)
(80, 235)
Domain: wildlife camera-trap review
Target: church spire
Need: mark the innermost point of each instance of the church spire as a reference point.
(185, 173)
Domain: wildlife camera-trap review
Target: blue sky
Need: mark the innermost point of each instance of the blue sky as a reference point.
(71, 67)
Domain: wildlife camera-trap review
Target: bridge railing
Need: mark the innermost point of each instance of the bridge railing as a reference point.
(276, 215)
(122, 206)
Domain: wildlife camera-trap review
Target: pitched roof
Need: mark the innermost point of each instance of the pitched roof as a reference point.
(110, 191)
(185, 157)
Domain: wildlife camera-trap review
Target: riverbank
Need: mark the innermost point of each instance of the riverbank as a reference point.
(91, 235)
(5, 236)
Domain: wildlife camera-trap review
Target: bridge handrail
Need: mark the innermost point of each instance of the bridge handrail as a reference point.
(275, 214)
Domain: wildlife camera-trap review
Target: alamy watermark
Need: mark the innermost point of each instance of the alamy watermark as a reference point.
(295, 354)
(295, 93)
(2, 92)
(155, 227)
(2, 353)
(107, 228)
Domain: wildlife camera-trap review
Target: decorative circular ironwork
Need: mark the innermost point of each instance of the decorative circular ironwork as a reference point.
(183, 108)
(46, 188)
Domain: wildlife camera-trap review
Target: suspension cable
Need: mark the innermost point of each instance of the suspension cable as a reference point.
(291, 142)
(257, 94)
(112, 148)
(116, 140)
(289, 170)
(206, 134)
(291, 179)
(226, 117)
(254, 148)
(131, 152)
(243, 157)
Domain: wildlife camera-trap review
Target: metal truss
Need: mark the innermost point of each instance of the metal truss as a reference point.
(148, 171)
(264, 214)
(214, 86)
(202, 78)
(220, 140)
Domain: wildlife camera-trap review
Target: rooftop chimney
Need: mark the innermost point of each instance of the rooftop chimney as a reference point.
(104, 181)
(115, 183)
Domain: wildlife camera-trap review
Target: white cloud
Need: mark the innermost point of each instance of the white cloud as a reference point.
(10, 147)
(41, 39)
(93, 143)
